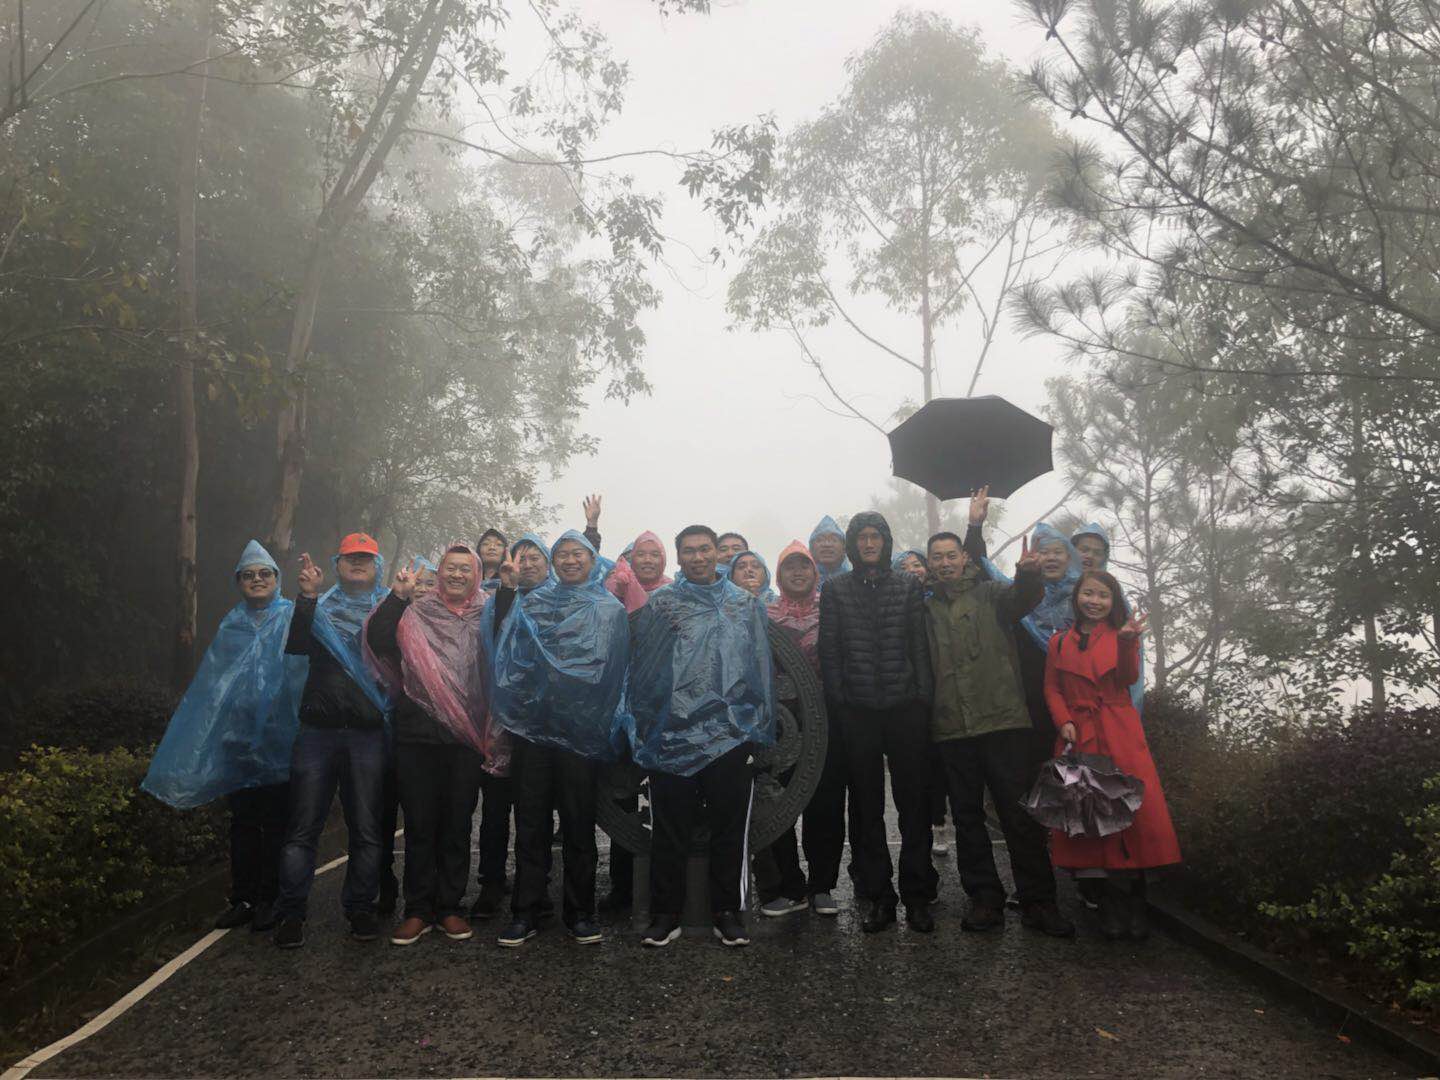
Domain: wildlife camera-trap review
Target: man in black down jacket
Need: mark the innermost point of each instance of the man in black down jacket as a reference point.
(875, 663)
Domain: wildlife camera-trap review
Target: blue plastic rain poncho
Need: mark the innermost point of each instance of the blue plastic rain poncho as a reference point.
(339, 618)
(700, 681)
(536, 541)
(829, 525)
(1056, 612)
(1137, 689)
(559, 666)
(766, 595)
(897, 563)
(235, 726)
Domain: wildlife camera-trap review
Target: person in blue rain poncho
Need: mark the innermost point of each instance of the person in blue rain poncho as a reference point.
(749, 571)
(232, 734)
(1093, 544)
(341, 742)
(701, 697)
(558, 680)
(827, 547)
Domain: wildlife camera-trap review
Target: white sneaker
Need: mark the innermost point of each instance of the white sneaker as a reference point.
(938, 846)
(822, 903)
(781, 905)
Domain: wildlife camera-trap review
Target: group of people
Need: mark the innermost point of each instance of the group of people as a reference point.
(507, 675)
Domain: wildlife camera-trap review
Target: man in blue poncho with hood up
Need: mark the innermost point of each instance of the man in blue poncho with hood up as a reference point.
(702, 697)
(341, 743)
(827, 548)
(559, 675)
(232, 735)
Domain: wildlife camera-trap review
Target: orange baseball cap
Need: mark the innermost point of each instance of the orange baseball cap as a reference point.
(359, 544)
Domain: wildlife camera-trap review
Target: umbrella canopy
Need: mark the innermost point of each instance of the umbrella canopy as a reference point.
(1084, 795)
(954, 445)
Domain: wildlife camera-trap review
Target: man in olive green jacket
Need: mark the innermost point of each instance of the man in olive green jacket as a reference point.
(982, 727)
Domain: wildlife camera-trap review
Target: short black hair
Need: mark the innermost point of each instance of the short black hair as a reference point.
(696, 530)
(944, 536)
(737, 536)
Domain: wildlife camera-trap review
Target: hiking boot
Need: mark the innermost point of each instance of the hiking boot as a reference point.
(730, 930)
(364, 926)
(1139, 923)
(456, 928)
(389, 895)
(265, 917)
(487, 904)
(517, 933)
(237, 914)
(918, 918)
(663, 930)
(983, 916)
(781, 905)
(290, 934)
(410, 931)
(878, 915)
(1047, 919)
(585, 932)
(823, 903)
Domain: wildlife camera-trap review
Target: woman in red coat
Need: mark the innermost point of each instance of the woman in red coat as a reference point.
(1088, 674)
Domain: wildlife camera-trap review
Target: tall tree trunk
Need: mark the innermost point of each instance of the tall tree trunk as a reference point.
(927, 363)
(187, 181)
(1369, 586)
(1152, 584)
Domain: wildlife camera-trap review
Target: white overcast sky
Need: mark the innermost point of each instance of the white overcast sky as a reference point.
(730, 435)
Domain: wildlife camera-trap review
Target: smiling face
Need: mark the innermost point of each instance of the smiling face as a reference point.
(730, 545)
(457, 575)
(828, 550)
(425, 582)
(1094, 555)
(797, 577)
(947, 560)
(1094, 600)
(1054, 561)
(647, 559)
(356, 571)
(531, 567)
(573, 562)
(258, 584)
(492, 552)
(697, 554)
(747, 572)
(914, 565)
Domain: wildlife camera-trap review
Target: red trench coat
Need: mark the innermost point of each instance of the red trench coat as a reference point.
(1091, 689)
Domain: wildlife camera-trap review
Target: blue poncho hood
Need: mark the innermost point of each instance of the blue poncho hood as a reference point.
(766, 595)
(1056, 611)
(339, 619)
(701, 680)
(559, 666)
(1094, 529)
(828, 526)
(899, 559)
(236, 724)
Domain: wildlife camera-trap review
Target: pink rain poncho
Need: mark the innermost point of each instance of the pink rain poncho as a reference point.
(800, 619)
(625, 586)
(443, 667)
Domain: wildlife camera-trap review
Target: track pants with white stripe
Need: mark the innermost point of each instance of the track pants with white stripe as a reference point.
(724, 788)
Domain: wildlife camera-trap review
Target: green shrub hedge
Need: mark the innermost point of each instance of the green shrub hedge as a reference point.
(94, 716)
(80, 845)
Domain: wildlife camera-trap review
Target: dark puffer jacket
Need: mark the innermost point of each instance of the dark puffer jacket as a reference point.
(873, 649)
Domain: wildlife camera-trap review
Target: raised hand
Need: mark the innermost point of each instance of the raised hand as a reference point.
(310, 576)
(403, 584)
(1029, 560)
(509, 573)
(1134, 627)
(592, 511)
(979, 504)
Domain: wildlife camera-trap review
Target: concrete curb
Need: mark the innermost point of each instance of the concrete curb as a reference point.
(1348, 1013)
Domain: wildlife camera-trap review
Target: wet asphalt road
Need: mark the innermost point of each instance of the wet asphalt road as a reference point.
(810, 997)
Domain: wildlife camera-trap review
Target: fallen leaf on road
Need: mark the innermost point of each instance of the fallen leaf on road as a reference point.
(1107, 1034)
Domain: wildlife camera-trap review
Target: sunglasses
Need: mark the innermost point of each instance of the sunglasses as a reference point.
(263, 574)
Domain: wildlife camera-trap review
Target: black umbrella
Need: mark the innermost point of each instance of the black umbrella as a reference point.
(954, 445)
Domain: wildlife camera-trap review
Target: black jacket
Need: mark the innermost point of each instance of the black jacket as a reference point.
(873, 649)
(411, 723)
(330, 699)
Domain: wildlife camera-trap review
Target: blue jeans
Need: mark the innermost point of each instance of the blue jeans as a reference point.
(324, 759)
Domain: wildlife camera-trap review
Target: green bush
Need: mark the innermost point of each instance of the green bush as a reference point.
(80, 844)
(95, 717)
(1394, 922)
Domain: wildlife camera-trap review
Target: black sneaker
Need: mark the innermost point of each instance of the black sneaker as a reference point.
(237, 914)
(487, 904)
(919, 919)
(663, 930)
(517, 933)
(364, 926)
(878, 915)
(585, 932)
(389, 895)
(1047, 919)
(730, 930)
(265, 917)
(290, 934)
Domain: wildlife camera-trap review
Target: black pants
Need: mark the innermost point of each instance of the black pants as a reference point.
(389, 821)
(496, 799)
(258, 817)
(439, 784)
(725, 786)
(901, 737)
(938, 786)
(547, 779)
(622, 863)
(822, 834)
(1003, 761)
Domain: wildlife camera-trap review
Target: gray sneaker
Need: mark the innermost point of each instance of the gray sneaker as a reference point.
(822, 903)
(781, 905)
